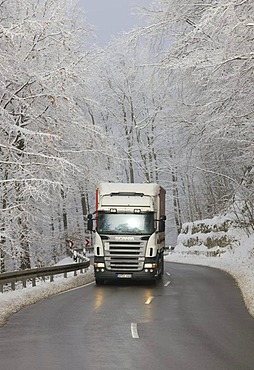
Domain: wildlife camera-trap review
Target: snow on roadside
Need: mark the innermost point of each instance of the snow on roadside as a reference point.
(13, 301)
(238, 262)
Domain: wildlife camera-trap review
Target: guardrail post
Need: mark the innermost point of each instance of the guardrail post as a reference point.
(1, 288)
(13, 285)
(24, 283)
(33, 281)
(51, 278)
(65, 274)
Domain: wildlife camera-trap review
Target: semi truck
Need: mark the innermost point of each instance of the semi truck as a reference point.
(129, 229)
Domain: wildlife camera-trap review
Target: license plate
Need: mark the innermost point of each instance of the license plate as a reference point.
(124, 276)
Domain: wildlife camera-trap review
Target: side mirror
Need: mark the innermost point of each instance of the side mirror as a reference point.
(90, 222)
(162, 223)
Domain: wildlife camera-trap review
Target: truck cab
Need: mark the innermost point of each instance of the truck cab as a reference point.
(130, 232)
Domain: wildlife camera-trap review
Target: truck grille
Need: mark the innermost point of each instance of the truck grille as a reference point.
(124, 256)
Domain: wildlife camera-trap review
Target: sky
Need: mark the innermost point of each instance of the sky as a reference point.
(111, 17)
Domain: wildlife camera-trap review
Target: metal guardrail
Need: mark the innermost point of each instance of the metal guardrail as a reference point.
(42, 272)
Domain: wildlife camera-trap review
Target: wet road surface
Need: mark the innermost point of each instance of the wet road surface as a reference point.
(194, 319)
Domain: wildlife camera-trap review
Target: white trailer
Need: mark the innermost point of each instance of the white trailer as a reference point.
(130, 231)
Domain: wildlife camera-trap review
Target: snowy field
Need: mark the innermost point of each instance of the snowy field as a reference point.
(237, 262)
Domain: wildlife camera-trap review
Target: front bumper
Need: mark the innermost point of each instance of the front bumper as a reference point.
(144, 275)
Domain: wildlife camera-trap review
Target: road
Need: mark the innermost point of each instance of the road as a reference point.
(194, 319)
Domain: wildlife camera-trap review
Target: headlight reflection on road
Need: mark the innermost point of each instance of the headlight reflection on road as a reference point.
(149, 309)
(99, 298)
(148, 297)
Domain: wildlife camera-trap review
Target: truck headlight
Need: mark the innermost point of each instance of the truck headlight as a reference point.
(99, 265)
(150, 265)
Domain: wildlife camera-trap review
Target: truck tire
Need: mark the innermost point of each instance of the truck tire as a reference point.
(99, 281)
(162, 264)
(161, 267)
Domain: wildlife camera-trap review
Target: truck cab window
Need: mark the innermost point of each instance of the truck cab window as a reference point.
(130, 223)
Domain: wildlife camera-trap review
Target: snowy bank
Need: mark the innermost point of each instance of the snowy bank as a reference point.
(237, 258)
(13, 301)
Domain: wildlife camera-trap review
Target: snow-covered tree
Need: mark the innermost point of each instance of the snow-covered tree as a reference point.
(48, 147)
(207, 50)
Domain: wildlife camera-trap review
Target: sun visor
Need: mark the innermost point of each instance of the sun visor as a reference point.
(127, 202)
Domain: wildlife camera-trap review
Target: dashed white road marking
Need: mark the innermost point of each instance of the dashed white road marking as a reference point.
(167, 273)
(149, 300)
(134, 330)
(167, 283)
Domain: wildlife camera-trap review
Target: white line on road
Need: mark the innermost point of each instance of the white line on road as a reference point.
(167, 283)
(149, 300)
(78, 287)
(167, 273)
(134, 330)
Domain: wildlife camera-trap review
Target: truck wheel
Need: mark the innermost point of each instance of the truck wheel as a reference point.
(99, 281)
(161, 267)
(155, 281)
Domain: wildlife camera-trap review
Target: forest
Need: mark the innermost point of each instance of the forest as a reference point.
(171, 102)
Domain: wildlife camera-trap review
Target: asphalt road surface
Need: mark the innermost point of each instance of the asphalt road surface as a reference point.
(194, 319)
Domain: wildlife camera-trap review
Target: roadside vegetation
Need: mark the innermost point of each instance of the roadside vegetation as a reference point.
(170, 102)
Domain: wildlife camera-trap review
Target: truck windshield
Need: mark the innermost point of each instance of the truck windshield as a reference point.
(130, 223)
